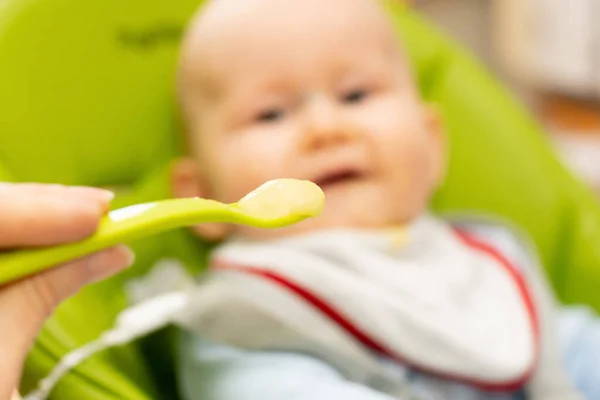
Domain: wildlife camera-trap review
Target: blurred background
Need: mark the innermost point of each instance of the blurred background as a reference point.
(548, 52)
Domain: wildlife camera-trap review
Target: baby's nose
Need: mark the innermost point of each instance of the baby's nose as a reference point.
(325, 125)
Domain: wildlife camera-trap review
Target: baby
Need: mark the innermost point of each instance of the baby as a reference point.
(375, 299)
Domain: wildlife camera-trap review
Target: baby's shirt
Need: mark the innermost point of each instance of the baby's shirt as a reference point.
(447, 313)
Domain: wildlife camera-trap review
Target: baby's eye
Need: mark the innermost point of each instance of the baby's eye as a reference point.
(271, 115)
(355, 96)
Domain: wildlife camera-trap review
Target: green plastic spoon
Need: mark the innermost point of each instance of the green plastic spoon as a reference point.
(275, 204)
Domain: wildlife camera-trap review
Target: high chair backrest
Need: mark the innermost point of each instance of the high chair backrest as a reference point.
(86, 97)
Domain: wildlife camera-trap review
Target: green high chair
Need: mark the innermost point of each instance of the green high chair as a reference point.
(86, 97)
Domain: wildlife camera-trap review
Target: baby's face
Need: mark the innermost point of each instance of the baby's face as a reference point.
(320, 93)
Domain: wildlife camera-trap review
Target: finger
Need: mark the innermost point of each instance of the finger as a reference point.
(25, 305)
(37, 214)
(48, 289)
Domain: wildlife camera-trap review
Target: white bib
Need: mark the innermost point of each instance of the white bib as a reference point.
(443, 303)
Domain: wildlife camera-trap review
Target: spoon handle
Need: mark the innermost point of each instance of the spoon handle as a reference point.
(119, 226)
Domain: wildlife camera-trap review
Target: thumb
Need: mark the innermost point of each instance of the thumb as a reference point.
(26, 304)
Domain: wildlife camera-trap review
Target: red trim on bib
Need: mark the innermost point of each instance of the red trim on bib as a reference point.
(346, 323)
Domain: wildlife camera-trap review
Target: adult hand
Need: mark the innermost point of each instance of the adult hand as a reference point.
(34, 215)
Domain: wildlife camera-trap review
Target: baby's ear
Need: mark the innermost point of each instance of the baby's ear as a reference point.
(437, 132)
(434, 118)
(187, 181)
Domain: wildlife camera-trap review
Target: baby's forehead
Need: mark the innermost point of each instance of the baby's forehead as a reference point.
(267, 29)
(236, 43)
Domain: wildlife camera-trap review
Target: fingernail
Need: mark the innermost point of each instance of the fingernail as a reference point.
(129, 256)
(109, 262)
(105, 195)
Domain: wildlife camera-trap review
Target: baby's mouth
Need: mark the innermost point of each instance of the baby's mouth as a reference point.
(339, 177)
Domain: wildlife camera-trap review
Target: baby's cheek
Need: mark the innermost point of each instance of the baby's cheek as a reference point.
(241, 174)
(248, 159)
(408, 162)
